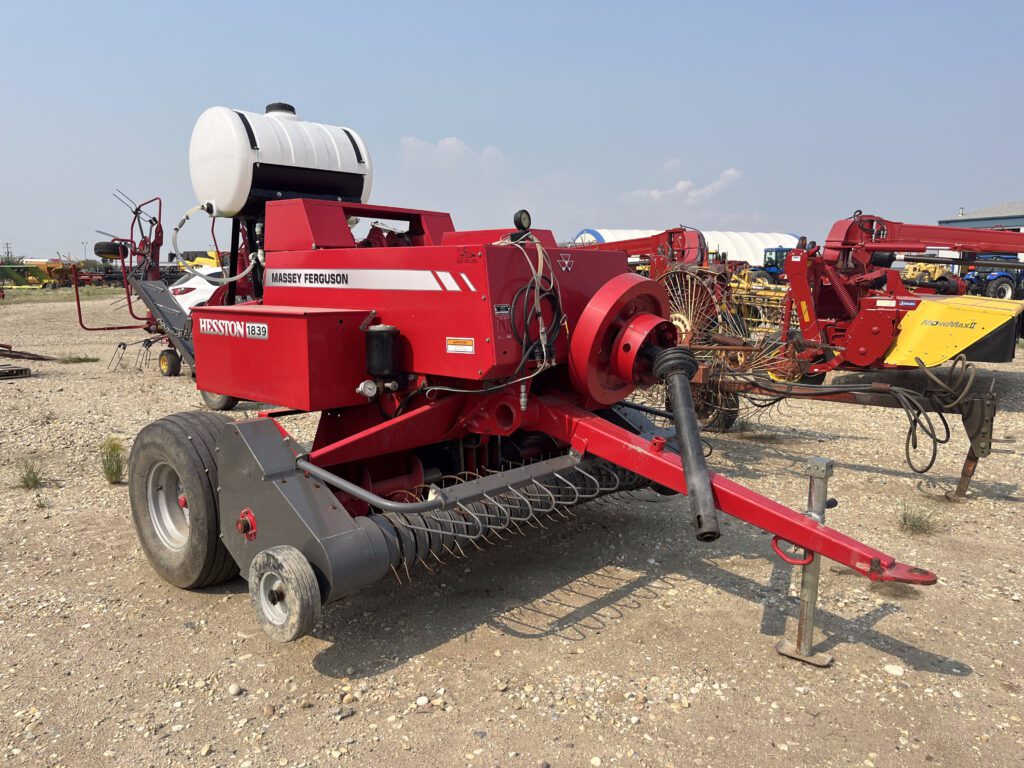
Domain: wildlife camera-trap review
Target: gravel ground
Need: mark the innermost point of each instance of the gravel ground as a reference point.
(610, 639)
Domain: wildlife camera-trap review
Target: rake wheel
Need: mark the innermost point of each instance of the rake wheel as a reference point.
(717, 328)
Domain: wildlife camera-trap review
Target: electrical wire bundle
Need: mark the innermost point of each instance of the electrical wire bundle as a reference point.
(541, 289)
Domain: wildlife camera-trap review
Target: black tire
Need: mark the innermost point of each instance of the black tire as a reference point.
(946, 286)
(218, 402)
(814, 379)
(1000, 288)
(760, 274)
(284, 593)
(184, 549)
(717, 411)
(109, 250)
(169, 363)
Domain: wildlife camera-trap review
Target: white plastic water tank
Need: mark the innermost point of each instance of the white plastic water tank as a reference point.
(239, 160)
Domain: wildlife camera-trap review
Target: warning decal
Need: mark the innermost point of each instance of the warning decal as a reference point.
(460, 346)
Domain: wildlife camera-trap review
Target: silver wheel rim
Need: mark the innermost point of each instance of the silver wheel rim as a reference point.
(1005, 292)
(274, 608)
(169, 518)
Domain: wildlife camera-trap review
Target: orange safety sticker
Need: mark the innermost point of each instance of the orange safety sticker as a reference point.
(459, 346)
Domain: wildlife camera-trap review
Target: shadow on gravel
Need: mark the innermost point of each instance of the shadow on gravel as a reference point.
(936, 486)
(861, 630)
(249, 406)
(575, 578)
(237, 586)
(748, 456)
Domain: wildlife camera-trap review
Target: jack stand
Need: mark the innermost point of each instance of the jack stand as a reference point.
(970, 464)
(818, 470)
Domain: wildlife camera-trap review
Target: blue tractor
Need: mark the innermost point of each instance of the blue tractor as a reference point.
(995, 282)
(773, 269)
(775, 261)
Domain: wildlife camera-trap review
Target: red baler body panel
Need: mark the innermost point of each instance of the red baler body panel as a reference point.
(303, 358)
(451, 303)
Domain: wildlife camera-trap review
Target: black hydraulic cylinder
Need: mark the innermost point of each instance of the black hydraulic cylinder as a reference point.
(676, 366)
(254, 246)
(236, 232)
(941, 286)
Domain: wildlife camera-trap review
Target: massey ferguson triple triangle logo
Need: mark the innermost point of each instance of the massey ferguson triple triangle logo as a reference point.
(565, 262)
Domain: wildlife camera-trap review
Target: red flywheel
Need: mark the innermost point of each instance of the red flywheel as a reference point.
(604, 352)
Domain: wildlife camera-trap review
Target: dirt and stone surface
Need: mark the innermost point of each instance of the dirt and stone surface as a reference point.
(610, 639)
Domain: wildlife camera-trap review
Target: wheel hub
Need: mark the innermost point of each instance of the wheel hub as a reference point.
(683, 324)
(273, 598)
(168, 506)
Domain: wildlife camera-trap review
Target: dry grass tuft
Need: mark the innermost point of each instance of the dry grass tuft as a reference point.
(918, 522)
(29, 476)
(112, 460)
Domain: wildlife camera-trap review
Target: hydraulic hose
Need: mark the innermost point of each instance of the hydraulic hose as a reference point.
(387, 505)
(184, 265)
(676, 366)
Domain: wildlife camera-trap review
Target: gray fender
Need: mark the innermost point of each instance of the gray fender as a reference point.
(256, 467)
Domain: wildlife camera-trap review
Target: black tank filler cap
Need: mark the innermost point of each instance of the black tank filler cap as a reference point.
(280, 106)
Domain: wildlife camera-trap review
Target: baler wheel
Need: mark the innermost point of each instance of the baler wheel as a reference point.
(169, 363)
(284, 592)
(173, 490)
(218, 402)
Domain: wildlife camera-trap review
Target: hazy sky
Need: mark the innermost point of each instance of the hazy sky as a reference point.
(763, 116)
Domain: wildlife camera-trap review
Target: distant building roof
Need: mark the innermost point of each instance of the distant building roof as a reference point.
(1009, 215)
(1002, 209)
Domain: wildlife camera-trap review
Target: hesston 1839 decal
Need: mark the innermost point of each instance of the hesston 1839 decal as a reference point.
(238, 329)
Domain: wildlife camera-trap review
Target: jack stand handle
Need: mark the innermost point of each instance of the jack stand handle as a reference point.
(819, 471)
